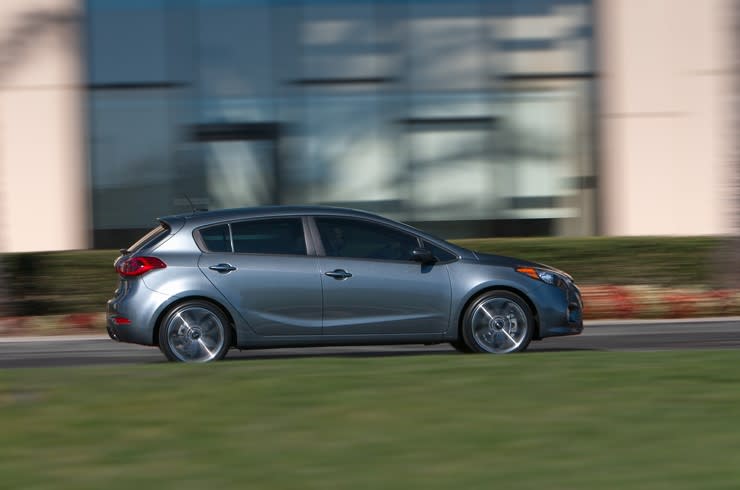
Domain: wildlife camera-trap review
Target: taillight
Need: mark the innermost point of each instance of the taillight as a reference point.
(136, 266)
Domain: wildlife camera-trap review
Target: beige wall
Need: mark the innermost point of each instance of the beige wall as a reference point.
(43, 173)
(665, 122)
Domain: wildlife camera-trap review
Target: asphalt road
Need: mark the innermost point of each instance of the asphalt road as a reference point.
(617, 336)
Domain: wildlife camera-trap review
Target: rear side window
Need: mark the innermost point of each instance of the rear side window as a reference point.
(282, 236)
(153, 237)
(216, 238)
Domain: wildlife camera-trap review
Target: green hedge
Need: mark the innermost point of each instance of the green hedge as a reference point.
(662, 261)
(82, 281)
(59, 282)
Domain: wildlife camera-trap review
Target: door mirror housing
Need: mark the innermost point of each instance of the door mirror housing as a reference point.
(423, 255)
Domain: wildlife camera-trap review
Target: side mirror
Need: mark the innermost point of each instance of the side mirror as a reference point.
(423, 255)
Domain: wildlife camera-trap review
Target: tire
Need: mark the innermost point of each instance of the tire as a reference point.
(498, 322)
(195, 331)
(460, 347)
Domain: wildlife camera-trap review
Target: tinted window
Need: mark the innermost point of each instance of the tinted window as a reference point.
(154, 236)
(216, 238)
(364, 240)
(441, 254)
(272, 236)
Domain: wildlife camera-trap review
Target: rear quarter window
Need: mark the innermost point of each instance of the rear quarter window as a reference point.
(216, 238)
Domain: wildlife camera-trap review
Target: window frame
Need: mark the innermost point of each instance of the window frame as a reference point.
(310, 248)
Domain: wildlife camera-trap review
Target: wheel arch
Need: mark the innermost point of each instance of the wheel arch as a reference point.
(177, 302)
(498, 287)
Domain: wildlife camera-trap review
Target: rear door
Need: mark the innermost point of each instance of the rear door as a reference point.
(269, 277)
(372, 285)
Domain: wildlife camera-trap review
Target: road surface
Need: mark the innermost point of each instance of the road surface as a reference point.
(614, 336)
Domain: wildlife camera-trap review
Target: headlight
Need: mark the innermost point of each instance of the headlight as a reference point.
(544, 275)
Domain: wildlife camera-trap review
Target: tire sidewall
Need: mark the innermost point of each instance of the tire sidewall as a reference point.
(467, 330)
(164, 345)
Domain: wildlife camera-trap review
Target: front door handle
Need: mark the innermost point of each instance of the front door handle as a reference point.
(222, 268)
(338, 274)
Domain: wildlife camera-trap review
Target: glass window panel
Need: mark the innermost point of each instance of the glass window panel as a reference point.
(127, 43)
(439, 253)
(364, 240)
(347, 154)
(131, 161)
(273, 236)
(234, 48)
(446, 46)
(346, 40)
(216, 238)
(451, 150)
(542, 36)
(154, 235)
(542, 129)
(238, 173)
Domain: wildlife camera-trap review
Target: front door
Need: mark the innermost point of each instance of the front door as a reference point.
(371, 284)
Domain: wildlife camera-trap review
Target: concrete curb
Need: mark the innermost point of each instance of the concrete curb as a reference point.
(53, 338)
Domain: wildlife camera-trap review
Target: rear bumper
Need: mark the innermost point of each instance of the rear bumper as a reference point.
(112, 332)
(131, 315)
(132, 332)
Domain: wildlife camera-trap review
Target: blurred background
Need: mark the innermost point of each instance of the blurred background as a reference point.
(466, 118)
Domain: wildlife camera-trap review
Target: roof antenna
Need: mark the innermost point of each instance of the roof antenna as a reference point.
(192, 206)
(191, 203)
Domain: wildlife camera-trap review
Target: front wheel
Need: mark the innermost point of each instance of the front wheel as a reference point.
(498, 322)
(195, 331)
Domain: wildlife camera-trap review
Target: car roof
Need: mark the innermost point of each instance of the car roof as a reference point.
(267, 211)
(200, 218)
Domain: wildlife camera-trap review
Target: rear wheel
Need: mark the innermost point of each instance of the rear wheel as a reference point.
(498, 322)
(195, 331)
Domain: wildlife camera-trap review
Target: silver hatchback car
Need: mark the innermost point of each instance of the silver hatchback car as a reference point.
(201, 283)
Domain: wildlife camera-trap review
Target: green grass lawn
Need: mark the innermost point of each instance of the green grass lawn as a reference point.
(568, 420)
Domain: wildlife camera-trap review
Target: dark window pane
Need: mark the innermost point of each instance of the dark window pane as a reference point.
(216, 238)
(127, 41)
(364, 240)
(273, 236)
(153, 237)
(441, 254)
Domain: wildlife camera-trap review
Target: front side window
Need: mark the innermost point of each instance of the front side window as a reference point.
(282, 236)
(439, 253)
(344, 237)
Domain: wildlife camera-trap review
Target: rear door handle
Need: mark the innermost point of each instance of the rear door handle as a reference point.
(338, 274)
(222, 268)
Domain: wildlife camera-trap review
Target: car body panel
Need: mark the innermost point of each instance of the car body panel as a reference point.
(275, 295)
(281, 300)
(385, 297)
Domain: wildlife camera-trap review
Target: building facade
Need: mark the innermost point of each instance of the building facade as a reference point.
(467, 118)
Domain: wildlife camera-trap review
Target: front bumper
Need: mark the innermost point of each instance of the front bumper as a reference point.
(562, 313)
